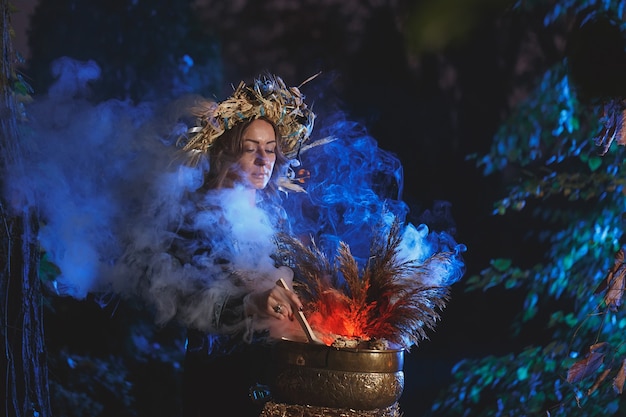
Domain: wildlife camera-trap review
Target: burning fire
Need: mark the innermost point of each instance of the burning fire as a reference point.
(332, 316)
(387, 299)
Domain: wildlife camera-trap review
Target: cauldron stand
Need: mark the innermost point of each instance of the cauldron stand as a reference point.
(273, 409)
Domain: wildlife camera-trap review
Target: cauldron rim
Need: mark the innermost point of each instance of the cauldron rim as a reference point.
(286, 342)
(288, 353)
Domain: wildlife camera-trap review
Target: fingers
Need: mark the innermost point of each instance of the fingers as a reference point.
(273, 303)
(295, 301)
(281, 303)
(277, 305)
(280, 311)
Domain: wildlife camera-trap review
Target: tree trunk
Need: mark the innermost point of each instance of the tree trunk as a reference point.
(24, 379)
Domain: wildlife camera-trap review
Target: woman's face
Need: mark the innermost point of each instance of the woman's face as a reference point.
(259, 154)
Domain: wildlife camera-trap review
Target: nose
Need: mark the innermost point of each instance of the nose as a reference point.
(261, 158)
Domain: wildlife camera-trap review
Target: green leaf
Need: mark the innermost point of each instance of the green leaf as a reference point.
(48, 271)
(501, 264)
(594, 162)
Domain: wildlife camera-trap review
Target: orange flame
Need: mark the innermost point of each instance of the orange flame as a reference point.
(335, 315)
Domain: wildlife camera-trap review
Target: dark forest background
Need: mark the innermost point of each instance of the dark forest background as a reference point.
(456, 89)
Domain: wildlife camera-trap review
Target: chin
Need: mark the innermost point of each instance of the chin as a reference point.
(258, 184)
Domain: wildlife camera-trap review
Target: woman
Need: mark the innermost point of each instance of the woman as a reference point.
(247, 141)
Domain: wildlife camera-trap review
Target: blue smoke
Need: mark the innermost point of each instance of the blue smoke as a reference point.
(105, 180)
(352, 183)
(84, 168)
(355, 191)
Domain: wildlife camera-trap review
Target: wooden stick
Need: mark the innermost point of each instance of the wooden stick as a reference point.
(304, 323)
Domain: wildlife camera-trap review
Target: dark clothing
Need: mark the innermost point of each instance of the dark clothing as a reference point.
(219, 385)
(221, 367)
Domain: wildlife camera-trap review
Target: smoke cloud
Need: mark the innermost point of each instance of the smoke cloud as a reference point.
(110, 191)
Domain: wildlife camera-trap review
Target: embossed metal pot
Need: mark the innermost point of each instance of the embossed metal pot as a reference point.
(324, 376)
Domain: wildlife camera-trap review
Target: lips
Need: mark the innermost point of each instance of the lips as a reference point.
(259, 179)
(260, 175)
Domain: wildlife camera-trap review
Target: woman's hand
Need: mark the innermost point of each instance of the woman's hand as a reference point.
(276, 302)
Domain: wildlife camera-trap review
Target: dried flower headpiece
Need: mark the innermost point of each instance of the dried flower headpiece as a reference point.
(268, 97)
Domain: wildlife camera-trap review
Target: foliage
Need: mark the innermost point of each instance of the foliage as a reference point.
(558, 148)
(109, 359)
(85, 386)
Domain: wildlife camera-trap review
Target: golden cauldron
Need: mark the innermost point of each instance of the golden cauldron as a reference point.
(325, 376)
